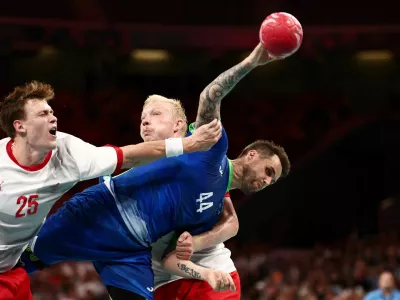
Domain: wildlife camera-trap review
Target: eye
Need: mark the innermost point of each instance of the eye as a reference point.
(156, 113)
(268, 171)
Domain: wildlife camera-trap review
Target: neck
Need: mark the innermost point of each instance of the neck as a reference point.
(25, 154)
(237, 174)
(387, 291)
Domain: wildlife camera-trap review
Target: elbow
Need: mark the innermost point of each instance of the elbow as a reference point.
(235, 227)
(164, 262)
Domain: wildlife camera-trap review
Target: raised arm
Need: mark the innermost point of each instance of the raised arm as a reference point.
(212, 95)
(143, 153)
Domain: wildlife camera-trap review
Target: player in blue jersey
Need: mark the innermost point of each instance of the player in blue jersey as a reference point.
(114, 223)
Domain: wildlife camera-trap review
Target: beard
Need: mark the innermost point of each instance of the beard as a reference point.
(249, 177)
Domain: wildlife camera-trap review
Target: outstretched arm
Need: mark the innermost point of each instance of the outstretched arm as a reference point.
(212, 95)
(143, 153)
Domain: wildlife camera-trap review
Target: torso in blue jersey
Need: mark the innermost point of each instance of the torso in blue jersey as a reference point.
(174, 194)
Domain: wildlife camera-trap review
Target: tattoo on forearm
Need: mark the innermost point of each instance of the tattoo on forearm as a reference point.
(212, 95)
(189, 271)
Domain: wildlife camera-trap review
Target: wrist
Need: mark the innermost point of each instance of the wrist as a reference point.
(196, 244)
(205, 274)
(173, 147)
(248, 62)
(188, 144)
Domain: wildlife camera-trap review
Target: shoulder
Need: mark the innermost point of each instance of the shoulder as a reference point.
(70, 143)
(64, 138)
(372, 294)
(3, 144)
(3, 147)
(4, 141)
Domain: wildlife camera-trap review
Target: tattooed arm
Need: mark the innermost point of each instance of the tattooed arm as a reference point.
(211, 96)
(218, 280)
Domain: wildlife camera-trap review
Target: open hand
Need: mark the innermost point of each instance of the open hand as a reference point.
(220, 281)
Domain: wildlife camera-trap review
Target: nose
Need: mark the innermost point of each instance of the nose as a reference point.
(53, 119)
(145, 121)
(267, 181)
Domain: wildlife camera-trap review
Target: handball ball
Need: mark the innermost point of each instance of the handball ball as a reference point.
(281, 34)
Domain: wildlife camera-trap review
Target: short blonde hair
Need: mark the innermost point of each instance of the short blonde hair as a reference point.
(178, 111)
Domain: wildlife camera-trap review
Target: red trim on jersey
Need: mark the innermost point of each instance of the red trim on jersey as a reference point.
(227, 194)
(120, 157)
(27, 168)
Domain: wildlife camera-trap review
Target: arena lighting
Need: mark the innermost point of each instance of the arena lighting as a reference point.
(47, 50)
(374, 55)
(154, 55)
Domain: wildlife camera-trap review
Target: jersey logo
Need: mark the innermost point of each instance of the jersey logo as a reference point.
(219, 210)
(150, 289)
(221, 171)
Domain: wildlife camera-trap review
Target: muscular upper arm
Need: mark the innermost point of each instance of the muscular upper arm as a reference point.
(226, 228)
(209, 105)
(228, 225)
(229, 214)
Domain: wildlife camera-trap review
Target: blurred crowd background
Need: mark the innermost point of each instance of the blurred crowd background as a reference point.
(327, 231)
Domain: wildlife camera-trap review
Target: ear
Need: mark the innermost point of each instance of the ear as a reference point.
(19, 126)
(251, 154)
(178, 126)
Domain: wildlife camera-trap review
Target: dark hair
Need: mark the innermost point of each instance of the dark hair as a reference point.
(268, 149)
(12, 107)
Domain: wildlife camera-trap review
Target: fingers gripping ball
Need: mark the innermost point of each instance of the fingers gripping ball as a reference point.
(281, 34)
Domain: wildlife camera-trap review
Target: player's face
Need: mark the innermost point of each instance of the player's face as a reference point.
(158, 122)
(260, 172)
(39, 128)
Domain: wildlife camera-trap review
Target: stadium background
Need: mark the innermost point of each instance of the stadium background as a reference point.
(325, 232)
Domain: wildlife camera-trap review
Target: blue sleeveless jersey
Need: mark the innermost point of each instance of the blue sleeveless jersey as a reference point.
(174, 194)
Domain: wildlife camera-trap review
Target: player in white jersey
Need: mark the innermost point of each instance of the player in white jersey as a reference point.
(38, 165)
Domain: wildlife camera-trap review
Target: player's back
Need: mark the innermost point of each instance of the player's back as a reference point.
(173, 193)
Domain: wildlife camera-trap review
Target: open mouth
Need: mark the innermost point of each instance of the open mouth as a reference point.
(53, 131)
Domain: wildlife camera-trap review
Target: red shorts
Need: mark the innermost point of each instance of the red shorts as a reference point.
(191, 289)
(15, 285)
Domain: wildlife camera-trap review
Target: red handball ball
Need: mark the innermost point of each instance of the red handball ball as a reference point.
(281, 34)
